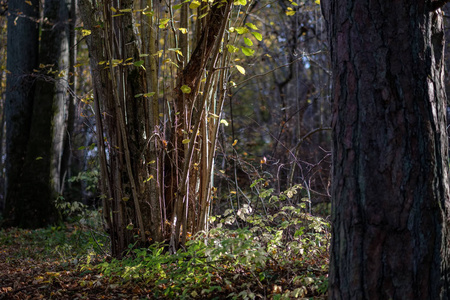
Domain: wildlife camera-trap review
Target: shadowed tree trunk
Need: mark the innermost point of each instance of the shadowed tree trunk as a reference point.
(28, 201)
(36, 110)
(390, 186)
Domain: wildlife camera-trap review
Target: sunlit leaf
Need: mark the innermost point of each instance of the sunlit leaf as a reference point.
(148, 179)
(224, 122)
(185, 89)
(159, 53)
(85, 32)
(163, 22)
(241, 30)
(257, 36)
(194, 4)
(290, 11)
(183, 30)
(247, 51)
(248, 42)
(232, 49)
(234, 143)
(251, 26)
(176, 50)
(186, 141)
(240, 69)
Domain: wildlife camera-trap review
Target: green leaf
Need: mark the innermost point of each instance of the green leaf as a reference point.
(232, 49)
(194, 4)
(241, 30)
(251, 26)
(186, 141)
(247, 51)
(240, 69)
(248, 42)
(202, 16)
(257, 36)
(163, 22)
(149, 94)
(185, 89)
(138, 63)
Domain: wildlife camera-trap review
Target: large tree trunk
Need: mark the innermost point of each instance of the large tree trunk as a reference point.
(390, 186)
(28, 190)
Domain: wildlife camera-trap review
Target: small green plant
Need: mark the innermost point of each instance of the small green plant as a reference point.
(286, 248)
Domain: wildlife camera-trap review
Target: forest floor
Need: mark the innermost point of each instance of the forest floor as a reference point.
(66, 262)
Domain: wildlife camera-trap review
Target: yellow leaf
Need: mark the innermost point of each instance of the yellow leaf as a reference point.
(113, 9)
(183, 30)
(186, 141)
(28, 2)
(235, 142)
(194, 4)
(317, 2)
(85, 32)
(240, 69)
(290, 12)
(232, 192)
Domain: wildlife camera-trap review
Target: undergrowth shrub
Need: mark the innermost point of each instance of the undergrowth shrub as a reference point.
(279, 252)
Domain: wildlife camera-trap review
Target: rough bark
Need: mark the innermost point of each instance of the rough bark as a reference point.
(390, 194)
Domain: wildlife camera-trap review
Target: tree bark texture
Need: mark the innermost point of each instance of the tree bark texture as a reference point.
(390, 194)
